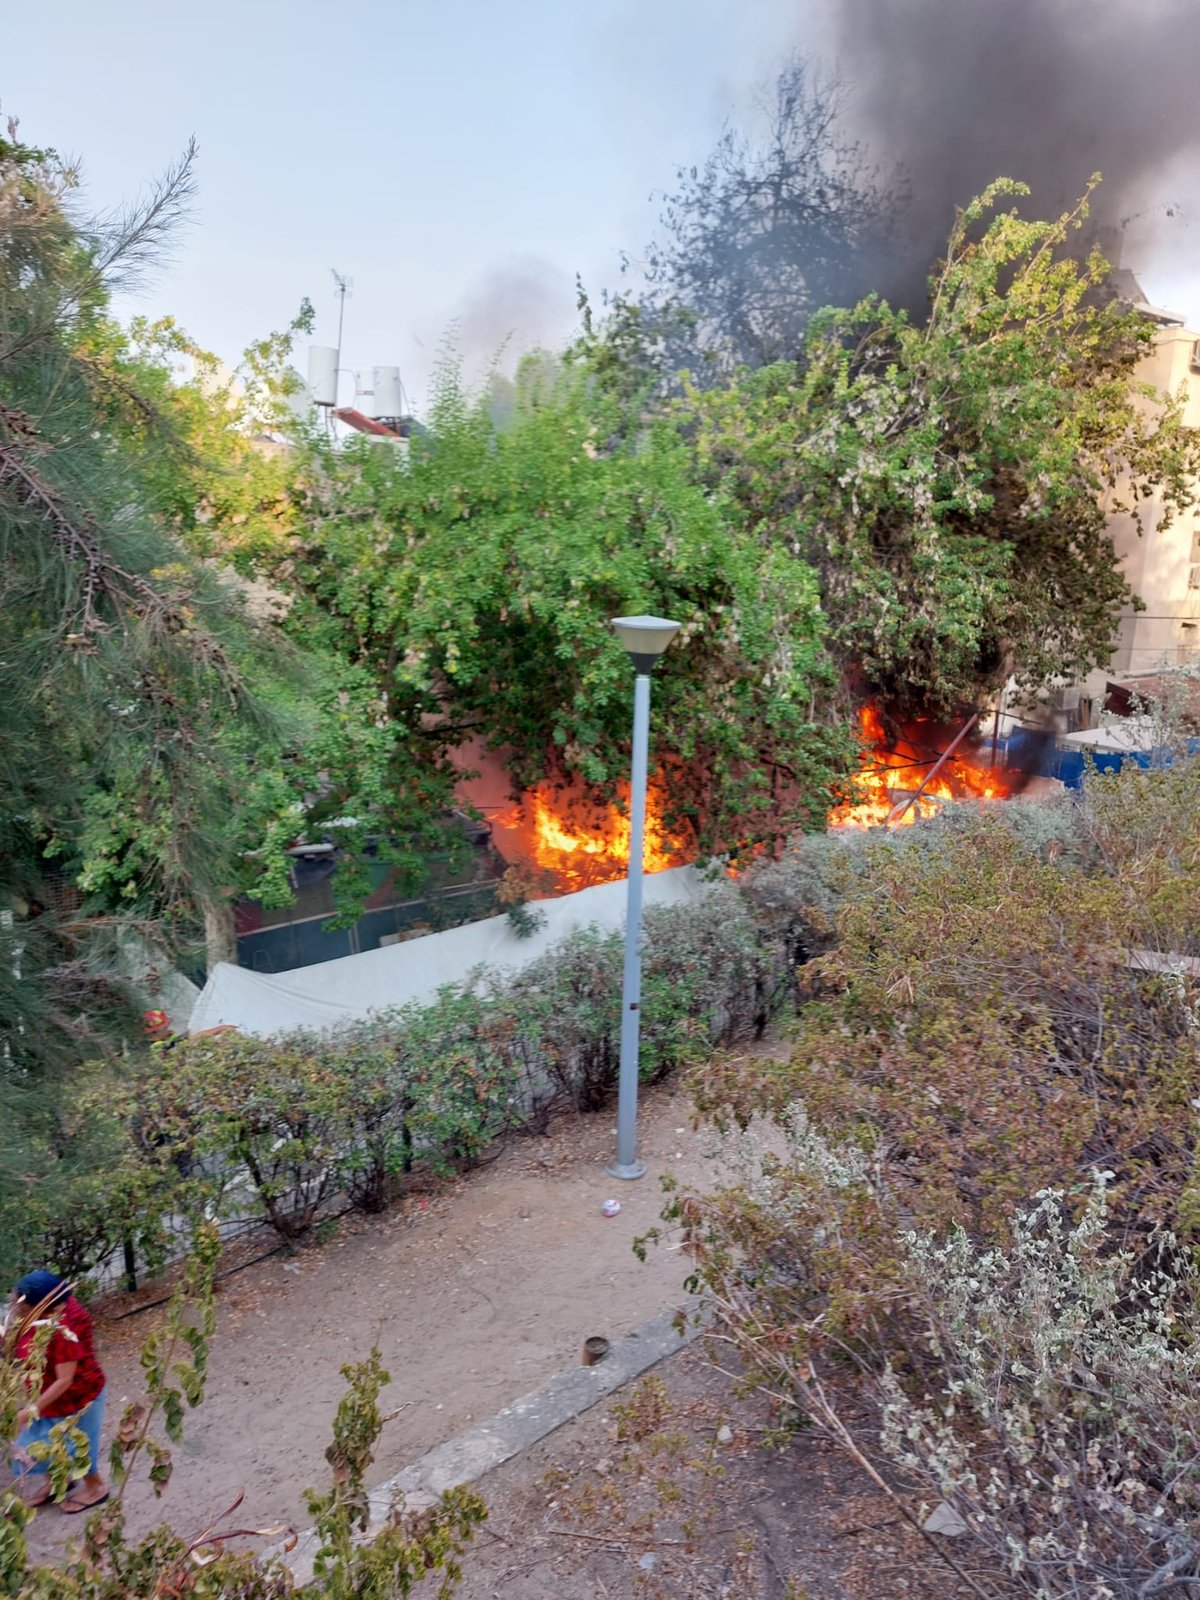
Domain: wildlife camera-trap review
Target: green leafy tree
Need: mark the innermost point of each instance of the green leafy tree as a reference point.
(951, 482)
(225, 489)
(233, 494)
(162, 740)
(124, 669)
(476, 579)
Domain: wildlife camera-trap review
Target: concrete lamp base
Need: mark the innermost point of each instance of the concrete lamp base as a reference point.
(635, 1169)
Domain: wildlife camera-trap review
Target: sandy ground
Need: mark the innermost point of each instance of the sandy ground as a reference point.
(668, 1491)
(475, 1295)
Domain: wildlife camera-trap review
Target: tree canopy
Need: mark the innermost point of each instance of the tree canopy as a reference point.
(160, 742)
(476, 580)
(951, 482)
(770, 228)
(225, 631)
(914, 512)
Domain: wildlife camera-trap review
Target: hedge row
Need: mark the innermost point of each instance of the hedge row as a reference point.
(274, 1129)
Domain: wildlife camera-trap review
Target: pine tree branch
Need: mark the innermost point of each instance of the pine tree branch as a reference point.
(103, 578)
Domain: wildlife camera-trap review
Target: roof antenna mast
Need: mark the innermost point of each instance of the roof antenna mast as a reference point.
(343, 287)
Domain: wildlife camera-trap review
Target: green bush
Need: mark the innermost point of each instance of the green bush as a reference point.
(223, 1125)
(270, 1108)
(77, 1218)
(377, 1105)
(569, 1006)
(461, 1080)
(712, 977)
(89, 1190)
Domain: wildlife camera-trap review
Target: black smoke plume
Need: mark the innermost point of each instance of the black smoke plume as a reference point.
(959, 92)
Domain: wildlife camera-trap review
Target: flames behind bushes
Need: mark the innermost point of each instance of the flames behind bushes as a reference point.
(570, 841)
(886, 790)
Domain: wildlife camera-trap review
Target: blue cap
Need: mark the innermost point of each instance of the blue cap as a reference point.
(36, 1287)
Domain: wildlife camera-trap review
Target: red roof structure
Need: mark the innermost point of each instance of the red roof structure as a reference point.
(364, 424)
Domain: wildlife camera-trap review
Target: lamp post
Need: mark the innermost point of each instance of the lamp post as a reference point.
(645, 639)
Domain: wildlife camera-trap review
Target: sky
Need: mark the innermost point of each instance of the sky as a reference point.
(462, 161)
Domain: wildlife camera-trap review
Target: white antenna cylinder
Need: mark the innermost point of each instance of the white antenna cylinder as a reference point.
(387, 399)
(322, 374)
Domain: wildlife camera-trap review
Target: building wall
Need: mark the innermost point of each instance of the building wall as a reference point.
(1162, 564)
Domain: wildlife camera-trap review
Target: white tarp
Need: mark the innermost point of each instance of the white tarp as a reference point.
(1130, 734)
(337, 991)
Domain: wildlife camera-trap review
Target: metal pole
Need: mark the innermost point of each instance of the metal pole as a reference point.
(627, 1164)
(343, 285)
(130, 1254)
(899, 810)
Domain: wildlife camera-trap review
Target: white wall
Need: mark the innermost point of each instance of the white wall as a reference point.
(1159, 562)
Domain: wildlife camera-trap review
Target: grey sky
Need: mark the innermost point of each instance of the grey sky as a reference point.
(461, 160)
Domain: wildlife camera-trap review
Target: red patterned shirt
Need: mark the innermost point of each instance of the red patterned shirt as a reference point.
(72, 1340)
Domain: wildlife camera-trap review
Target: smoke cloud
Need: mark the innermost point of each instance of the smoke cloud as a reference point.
(518, 306)
(959, 92)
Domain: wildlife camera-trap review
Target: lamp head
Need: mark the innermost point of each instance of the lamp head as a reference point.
(645, 639)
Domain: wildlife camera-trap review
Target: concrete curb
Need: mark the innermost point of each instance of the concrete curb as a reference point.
(523, 1423)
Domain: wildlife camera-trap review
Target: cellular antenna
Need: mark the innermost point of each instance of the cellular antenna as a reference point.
(344, 286)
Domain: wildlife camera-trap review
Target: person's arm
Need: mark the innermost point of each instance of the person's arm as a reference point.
(64, 1374)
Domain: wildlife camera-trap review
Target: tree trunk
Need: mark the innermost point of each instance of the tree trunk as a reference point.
(220, 941)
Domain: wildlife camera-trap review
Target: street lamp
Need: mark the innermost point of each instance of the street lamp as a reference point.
(645, 639)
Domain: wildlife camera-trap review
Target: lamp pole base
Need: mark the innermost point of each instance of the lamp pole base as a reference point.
(635, 1169)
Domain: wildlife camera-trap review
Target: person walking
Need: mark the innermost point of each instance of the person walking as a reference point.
(71, 1385)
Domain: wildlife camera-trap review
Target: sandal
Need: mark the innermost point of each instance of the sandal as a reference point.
(75, 1508)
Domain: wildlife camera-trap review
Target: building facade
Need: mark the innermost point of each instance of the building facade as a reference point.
(1162, 562)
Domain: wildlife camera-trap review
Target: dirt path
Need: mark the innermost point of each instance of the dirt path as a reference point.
(666, 1492)
(475, 1297)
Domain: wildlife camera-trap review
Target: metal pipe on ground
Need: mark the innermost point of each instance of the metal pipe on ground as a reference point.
(904, 806)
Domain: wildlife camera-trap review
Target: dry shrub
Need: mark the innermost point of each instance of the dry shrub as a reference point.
(1061, 1420)
(1001, 1025)
(982, 1032)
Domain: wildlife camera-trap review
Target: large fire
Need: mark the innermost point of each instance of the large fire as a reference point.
(574, 844)
(582, 845)
(892, 771)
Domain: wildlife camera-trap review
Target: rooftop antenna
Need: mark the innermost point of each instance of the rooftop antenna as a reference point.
(325, 364)
(344, 286)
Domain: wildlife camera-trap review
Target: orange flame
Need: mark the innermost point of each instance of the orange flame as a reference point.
(584, 845)
(890, 773)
